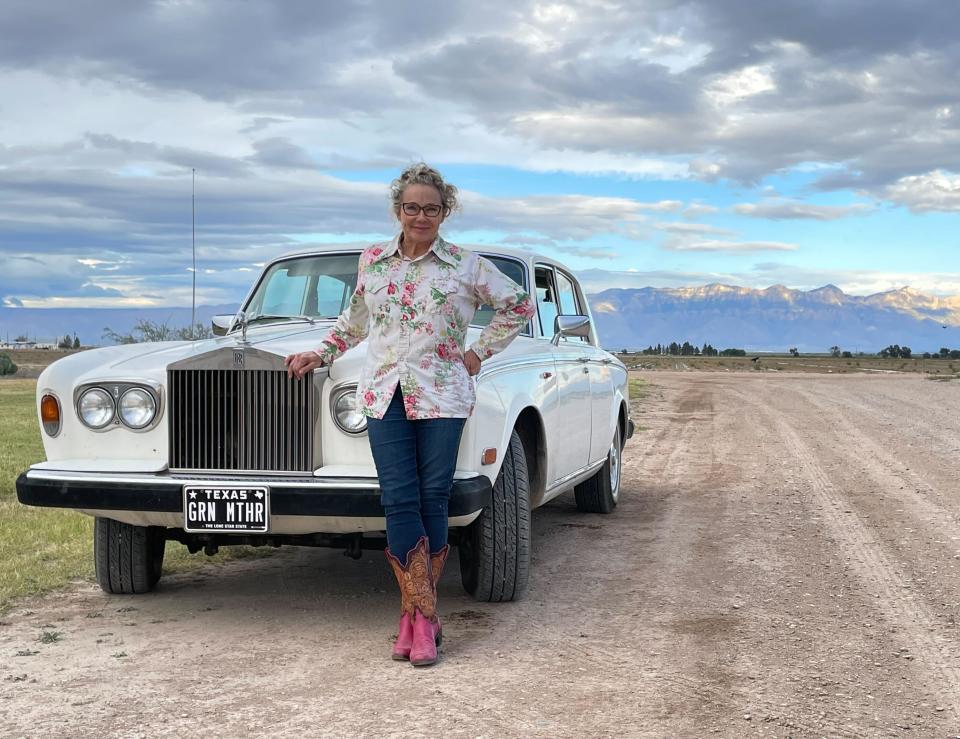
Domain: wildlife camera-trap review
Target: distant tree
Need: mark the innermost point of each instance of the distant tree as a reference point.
(794, 352)
(954, 354)
(927, 355)
(687, 350)
(834, 351)
(733, 353)
(65, 343)
(76, 342)
(146, 331)
(7, 367)
(944, 352)
(24, 337)
(847, 355)
(674, 349)
(895, 351)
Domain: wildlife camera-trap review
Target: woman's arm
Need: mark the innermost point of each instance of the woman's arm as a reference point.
(512, 304)
(350, 329)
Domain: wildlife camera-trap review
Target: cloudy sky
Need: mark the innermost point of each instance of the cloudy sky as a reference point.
(651, 142)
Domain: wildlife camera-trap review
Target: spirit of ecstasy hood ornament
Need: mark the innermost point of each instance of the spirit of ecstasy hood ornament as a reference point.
(242, 320)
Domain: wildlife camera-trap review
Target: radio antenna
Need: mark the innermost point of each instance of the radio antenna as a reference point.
(193, 239)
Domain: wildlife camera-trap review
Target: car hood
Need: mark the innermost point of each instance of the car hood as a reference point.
(149, 361)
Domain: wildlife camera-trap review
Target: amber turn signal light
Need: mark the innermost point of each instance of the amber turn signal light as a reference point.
(489, 456)
(50, 414)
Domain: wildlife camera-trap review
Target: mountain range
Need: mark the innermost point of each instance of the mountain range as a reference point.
(774, 319)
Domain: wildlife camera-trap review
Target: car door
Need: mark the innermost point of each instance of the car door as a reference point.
(568, 422)
(600, 371)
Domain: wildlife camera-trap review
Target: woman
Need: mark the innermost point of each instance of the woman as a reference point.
(415, 297)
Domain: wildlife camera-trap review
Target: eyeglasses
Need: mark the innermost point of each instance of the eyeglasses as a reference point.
(413, 209)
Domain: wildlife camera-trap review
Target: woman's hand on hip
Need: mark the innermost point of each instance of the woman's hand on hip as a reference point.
(472, 362)
(299, 364)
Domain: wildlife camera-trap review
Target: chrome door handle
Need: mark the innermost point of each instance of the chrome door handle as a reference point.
(583, 359)
(606, 361)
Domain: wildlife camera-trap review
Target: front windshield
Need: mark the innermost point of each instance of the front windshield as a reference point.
(315, 287)
(321, 286)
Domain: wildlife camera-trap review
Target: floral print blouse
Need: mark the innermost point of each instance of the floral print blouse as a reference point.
(416, 314)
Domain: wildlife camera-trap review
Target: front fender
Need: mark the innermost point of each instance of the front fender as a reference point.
(501, 397)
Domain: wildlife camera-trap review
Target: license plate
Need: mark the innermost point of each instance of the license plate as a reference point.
(226, 508)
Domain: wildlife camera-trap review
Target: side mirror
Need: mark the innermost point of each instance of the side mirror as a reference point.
(221, 324)
(570, 326)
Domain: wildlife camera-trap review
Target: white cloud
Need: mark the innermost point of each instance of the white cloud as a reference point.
(934, 191)
(782, 209)
(740, 84)
(694, 210)
(692, 229)
(713, 245)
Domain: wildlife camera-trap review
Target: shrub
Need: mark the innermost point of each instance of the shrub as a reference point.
(7, 367)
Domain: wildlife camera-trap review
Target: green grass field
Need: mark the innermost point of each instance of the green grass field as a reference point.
(43, 549)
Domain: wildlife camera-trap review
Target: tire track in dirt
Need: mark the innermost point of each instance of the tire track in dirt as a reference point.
(705, 648)
(930, 436)
(911, 616)
(916, 492)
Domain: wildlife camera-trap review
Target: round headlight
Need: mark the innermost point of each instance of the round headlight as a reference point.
(96, 408)
(137, 408)
(347, 415)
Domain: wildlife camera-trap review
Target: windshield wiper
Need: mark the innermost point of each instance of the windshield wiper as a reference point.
(268, 317)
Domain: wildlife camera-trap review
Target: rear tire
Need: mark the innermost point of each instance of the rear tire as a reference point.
(495, 549)
(127, 559)
(601, 492)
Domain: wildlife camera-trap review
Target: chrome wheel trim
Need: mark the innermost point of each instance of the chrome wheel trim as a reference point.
(614, 459)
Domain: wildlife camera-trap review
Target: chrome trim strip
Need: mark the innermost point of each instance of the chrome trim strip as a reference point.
(565, 480)
(358, 483)
(509, 364)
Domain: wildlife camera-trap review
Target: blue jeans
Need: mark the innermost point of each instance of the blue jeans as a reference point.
(415, 463)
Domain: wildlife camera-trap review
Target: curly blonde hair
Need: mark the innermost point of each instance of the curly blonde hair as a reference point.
(423, 174)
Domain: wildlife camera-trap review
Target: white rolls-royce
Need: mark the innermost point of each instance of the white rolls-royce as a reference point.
(209, 443)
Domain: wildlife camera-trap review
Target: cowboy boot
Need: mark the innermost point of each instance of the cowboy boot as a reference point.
(404, 640)
(437, 561)
(417, 597)
(420, 587)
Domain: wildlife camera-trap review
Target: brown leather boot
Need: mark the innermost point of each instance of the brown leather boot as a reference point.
(418, 606)
(437, 561)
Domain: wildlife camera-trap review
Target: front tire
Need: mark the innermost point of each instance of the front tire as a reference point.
(495, 549)
(601, 492)
(127, 559)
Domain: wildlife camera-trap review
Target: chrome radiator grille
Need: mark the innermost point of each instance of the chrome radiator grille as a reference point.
(246, 420)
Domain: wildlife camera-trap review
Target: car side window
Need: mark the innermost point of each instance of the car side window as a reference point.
(547, 307)
(512, 269)
(332, 295)
(567, 295)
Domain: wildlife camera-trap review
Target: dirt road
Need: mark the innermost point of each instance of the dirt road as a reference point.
(785, 561)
